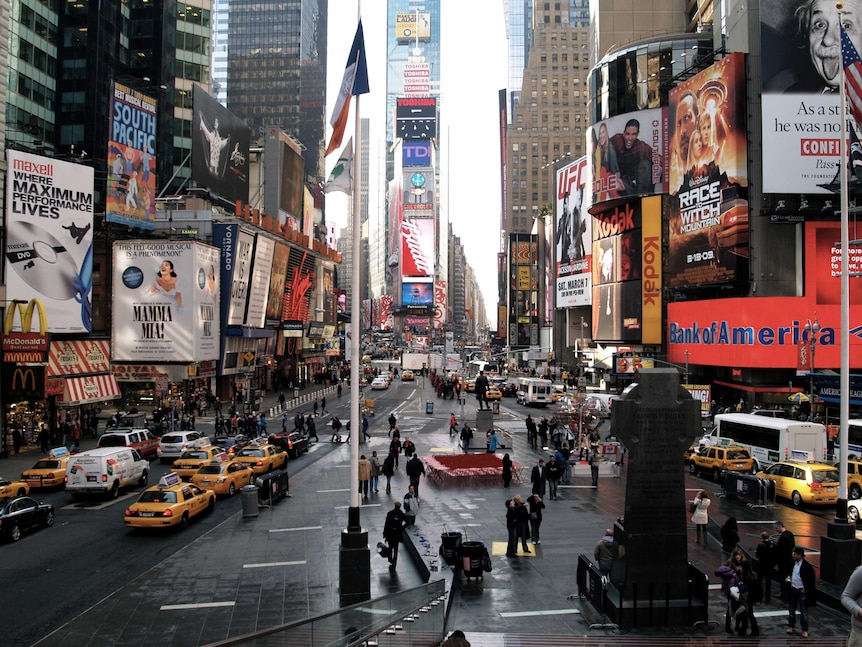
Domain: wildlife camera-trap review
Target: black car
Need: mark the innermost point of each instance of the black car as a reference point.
(21, 513)
(293, 443)
(509, 389)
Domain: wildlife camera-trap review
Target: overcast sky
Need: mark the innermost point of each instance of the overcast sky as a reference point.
(473, 70)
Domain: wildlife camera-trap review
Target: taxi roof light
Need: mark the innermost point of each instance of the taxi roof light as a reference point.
(58, 452)
(169, 480)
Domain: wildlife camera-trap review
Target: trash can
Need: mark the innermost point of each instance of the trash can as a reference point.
(495, 407)
(295, 392)
(429, 407)
(249, 501)
(472, 553)
(451, 548)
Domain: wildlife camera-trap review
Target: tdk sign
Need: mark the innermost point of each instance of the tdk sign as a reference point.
(416, 154)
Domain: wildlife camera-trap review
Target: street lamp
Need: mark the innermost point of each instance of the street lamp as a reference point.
(812, 329)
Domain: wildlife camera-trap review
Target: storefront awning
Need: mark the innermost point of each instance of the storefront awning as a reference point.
(749, 388)
(84, 390)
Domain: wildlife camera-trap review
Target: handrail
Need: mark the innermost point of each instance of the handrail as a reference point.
(420, 608)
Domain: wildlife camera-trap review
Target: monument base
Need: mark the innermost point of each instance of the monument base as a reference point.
(354, 568)
(629, 615)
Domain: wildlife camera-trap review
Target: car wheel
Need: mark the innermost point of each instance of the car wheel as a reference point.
(231, 490)
(184, 522)
(852, 514)
(211, 506)
(115, 491)
(15, 532)
(145, 477)
(796, 499)
(21, 492)
(855, 491)
(49, 520)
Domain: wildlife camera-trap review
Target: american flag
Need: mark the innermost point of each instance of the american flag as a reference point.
(852, 76)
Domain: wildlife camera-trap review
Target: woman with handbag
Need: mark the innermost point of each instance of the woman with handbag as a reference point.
(699, 515)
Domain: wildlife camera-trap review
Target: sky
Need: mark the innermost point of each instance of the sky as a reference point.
(473, 71)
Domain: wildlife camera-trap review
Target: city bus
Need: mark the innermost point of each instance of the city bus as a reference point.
(854, 440)
(770, 439)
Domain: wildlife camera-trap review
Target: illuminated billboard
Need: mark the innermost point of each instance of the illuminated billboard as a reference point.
(419, 190)
(131, 193)
(412, 27)
(573, 234)
(417, 247)
(708, 208)
(415, 294)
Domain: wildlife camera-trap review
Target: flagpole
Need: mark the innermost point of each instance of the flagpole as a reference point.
(355, 557)
(844, 379)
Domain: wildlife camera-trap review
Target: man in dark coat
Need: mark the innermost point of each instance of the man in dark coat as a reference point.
(415, 469)
(784, 556)
(393, 527)
(538, 477)
(481, 389)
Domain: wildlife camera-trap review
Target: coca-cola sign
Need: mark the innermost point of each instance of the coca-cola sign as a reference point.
(417, 247)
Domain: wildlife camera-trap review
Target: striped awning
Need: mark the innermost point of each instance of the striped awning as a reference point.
(83, 390)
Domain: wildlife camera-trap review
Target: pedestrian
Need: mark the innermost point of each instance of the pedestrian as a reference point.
(453, 424)
(595, 461)
(365, 433)
(466, 436)
(851, 598)
(411, 506)
(537, 477)
(281, 400)
(729, 538)
(535, 505)
(523, 518)
(323, 404)
(511, 529)
(730, 589)
(562, 455)
(801, 590)
(554, 471)
(314, 409)
(415, 469)
(375, 471)
(388, 470)
(507, 470)
(393, 529)
(493, 441)
(16, 439)
(784, 557)
(364, 475)
(543, 431)
(606, 552)
(750, 594)
(532, 433)
(456, 639)
(392, 421)
(395, 449)
(700, 515)
(312, 430)
(765, 554)
(44, 438)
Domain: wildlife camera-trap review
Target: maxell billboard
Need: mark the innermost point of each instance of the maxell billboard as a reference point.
(165, 301)
(131, 195)
(49, 240)
(220, 148)
(708, 206)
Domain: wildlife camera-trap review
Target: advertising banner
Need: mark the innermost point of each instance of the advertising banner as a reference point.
(131, 195)
(298, 286)
(76, 357)
(258, 290)
(573, 229)
(823, 264)
(49, 238)
(237, 246)
(440, 309)
(416, 154)
(220, 143)
(277, 277)
(165, 301)
(417, 247)
(758, 332)
(412, 27)
(417, 295)
(801, 59)
(708, 219)
(387, 318)
(418, 199)
(651, 271)
(628, 155)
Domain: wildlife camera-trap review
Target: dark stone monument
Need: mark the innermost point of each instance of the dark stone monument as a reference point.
(656, 419)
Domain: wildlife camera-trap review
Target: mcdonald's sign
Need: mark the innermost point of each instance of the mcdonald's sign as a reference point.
(24, 382)
(25, 346)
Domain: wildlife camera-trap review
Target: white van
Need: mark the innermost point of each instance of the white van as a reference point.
(534, 391)
(104, 471)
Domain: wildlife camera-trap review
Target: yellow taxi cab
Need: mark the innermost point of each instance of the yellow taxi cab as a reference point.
(407, 375)
(223, 476)
(558, 392)
(471, 385)
(493, 393)
(262, 458)
(854, 478)
(192, 460)
(14, 488)
(170, 503)
(812, 483)
(48, 472)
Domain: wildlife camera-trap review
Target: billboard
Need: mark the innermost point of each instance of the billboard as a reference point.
(573, 235)
(416, 118)
(220, 148)
(237, 248)
(131, 195)
(419, 190)
(416, 294)
(708, 207)
(277, 277)
(49, 238)
(523, 290)
(800, 99)
(417, 247)
(628, 155)
(412, 27)
(823, 264)
(416, 154)
(417, 79)
(441, 311)
(258, 291)
(165, 301)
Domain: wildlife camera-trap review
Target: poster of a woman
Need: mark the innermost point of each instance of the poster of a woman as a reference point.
(166, 283)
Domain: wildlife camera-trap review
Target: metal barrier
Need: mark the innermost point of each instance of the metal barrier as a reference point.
(747, 486)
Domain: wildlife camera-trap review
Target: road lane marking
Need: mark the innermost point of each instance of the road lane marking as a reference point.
(296, 529)
(540, 612)
(268, 564)
(199, 605)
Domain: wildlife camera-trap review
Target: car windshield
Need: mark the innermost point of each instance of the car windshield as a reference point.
(824, 476)
(112, 441)
(210, 469)
(171, 438)
(251, 452)
(158, 496)
(194, 455)
(46, 464)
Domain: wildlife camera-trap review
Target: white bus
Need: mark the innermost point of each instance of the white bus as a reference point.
(770, 439)
(534, 391)
(854, 441)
